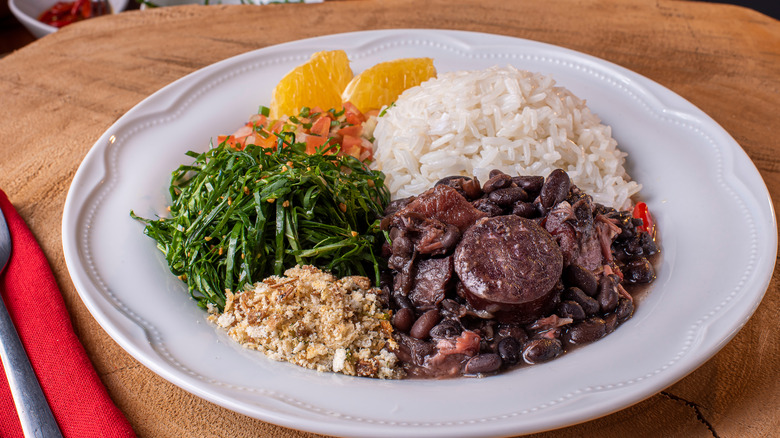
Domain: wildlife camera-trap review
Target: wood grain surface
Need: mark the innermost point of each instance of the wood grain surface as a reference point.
(60, 93)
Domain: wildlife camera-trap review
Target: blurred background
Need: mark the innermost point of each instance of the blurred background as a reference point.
(13, 35)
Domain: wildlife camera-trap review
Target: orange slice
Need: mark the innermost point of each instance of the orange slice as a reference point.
(317, 82)
(381, 84)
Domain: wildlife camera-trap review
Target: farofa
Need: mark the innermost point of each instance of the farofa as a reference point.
(314, 320)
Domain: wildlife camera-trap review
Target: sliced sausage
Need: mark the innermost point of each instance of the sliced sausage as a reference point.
(509, 266)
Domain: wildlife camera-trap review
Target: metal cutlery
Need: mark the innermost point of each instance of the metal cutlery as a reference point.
(34, 412)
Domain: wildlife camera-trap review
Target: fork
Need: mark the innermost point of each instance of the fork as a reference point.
(31, 406)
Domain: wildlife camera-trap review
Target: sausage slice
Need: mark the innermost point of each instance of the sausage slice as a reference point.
(509, 266)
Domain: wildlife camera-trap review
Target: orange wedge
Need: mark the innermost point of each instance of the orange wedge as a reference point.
(317, 82)
(381, 84)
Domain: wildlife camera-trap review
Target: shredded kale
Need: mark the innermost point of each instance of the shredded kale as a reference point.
(238, 216)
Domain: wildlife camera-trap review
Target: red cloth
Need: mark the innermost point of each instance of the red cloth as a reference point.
(75, 393)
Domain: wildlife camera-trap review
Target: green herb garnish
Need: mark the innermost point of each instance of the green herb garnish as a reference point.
(238, 216)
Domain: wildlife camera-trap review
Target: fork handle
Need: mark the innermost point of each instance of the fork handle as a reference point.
(31, 405)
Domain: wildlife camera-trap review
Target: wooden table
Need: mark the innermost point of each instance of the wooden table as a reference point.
(60, 93)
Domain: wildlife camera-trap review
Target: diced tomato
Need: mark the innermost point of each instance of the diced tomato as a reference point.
(253, 132)
(313, 142)
(261, 137)
(353, 114)
(258, 120)
(316, 136)
(321, 126)
(354, 130)
(352, 145)
(277, 127)
(244, 131)
(232, 141)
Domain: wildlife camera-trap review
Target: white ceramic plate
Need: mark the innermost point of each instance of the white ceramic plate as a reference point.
(716, 227)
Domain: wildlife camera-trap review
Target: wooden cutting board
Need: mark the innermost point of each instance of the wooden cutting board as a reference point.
(60, 93)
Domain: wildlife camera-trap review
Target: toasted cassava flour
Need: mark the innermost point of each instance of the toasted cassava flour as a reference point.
(312, 319)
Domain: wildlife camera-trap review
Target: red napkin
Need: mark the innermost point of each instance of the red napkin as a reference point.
(75, 393)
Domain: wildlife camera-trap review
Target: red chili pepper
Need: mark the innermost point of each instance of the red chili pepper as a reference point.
(642, 212)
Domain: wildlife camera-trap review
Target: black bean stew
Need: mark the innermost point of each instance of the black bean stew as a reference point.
(516, 271)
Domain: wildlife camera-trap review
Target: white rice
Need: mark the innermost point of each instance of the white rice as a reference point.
(470, 122)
